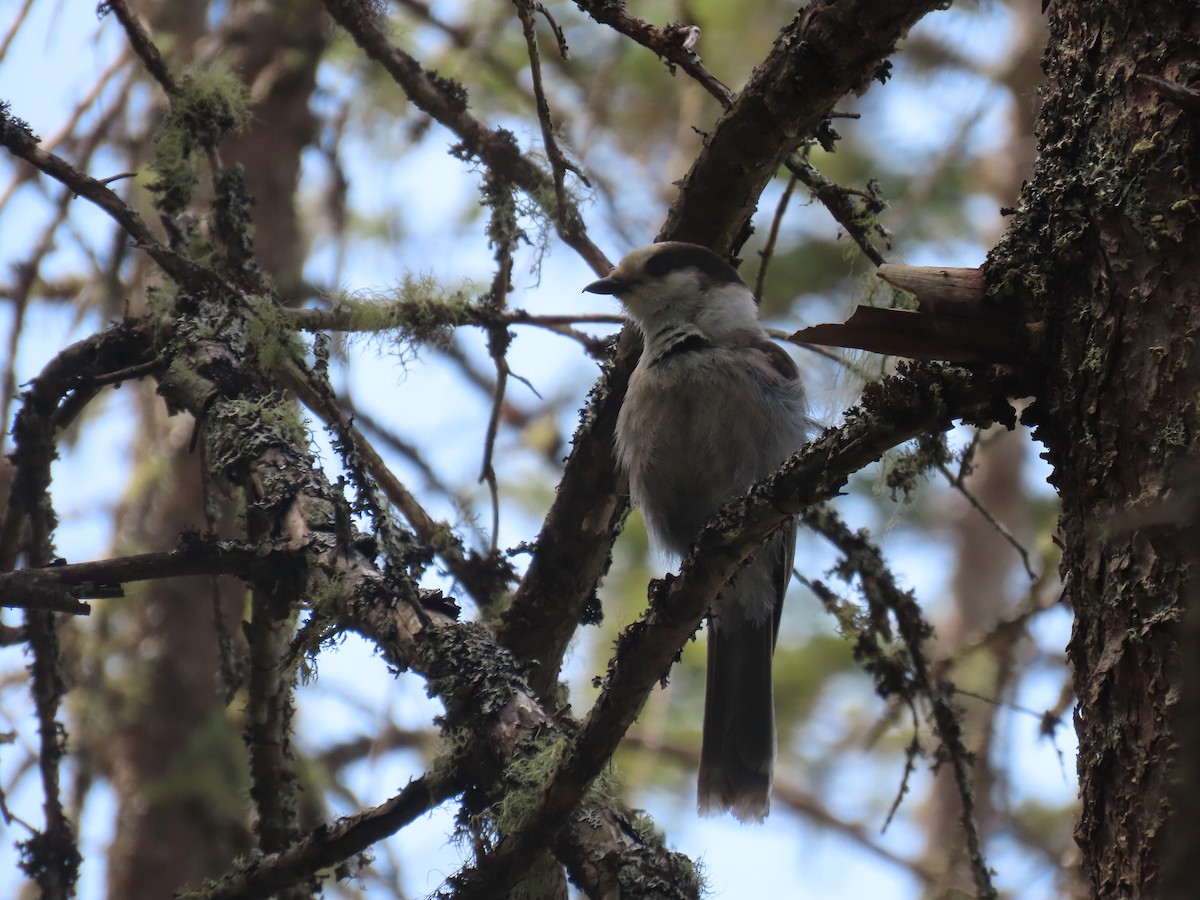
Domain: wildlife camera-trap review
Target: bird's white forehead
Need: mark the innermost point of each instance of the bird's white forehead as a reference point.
(635, 260)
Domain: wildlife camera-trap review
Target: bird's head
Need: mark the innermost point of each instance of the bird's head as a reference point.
(673, 283)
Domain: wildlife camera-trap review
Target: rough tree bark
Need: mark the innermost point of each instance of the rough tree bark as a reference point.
(173, 829)
(1101, 253)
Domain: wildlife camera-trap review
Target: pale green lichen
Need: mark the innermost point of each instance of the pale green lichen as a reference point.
(523, 779)
(241, 430)
(271, 334)
(210, 104)
(419, 308)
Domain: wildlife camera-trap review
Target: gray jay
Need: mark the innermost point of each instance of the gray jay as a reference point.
(713, 406)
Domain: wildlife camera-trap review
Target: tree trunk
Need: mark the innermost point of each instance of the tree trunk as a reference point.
(177, 768)
(1100, 254)
(180, 822)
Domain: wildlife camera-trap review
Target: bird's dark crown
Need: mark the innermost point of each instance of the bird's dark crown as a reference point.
(674, 256)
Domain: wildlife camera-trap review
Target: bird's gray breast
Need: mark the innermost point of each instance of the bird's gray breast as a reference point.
(697, 430)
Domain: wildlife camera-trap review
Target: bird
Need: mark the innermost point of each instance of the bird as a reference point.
(713, 405)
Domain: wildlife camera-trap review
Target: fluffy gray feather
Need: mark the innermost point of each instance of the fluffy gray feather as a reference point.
(713, 406)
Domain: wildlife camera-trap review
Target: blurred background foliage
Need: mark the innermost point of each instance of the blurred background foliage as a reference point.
(355, 192)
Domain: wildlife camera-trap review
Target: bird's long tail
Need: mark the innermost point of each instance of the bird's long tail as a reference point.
(737, 754)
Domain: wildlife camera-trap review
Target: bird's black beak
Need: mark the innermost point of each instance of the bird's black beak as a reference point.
(607, 285)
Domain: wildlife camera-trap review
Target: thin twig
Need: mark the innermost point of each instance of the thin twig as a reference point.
(858, 219)
(328, 845)
(957, 482)
(342, 318)
(864, 559)
(503, 233)
(669, 44)
(829, 49)
(195, 556)
(559, 164)
(143, 46)
(19, 141)
(388, 438)
(445, 101)
(11, 34)
(482, 582)
(768, 250)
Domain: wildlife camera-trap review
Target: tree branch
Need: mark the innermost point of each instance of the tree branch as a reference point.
(197, 555)
(831, 48)
(16, 137)
(143, 46)
(446, 102)
(669, 43)
(328, 845)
